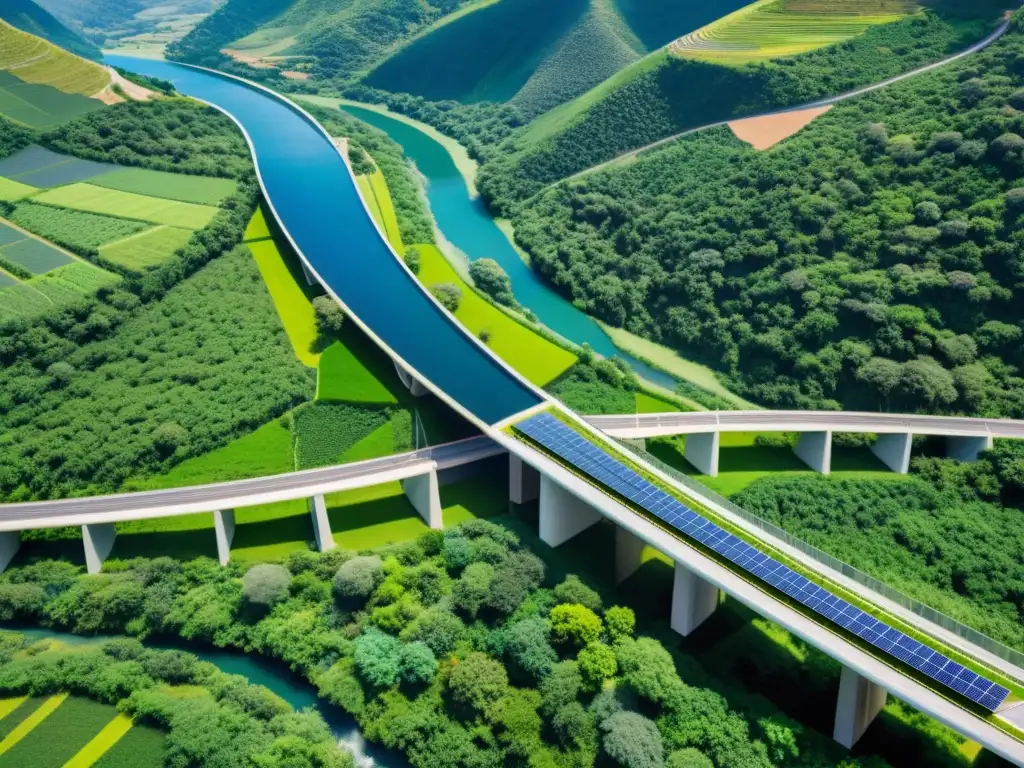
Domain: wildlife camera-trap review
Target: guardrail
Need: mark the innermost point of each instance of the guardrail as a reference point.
(938, 618)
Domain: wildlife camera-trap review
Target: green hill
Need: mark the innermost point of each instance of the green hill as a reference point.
(29, 17)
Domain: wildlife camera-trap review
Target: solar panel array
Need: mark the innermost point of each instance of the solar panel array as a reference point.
(568, 444)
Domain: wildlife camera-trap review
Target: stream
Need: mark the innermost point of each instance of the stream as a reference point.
(465, 223)
(259, 671)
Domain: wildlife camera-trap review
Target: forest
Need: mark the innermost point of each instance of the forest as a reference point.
(870, 262)
(942, 536)
(460, 648)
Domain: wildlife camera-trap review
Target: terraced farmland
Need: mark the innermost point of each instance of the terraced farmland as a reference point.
(770, 29)
(36, 61)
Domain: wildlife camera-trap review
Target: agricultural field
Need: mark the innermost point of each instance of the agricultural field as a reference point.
(27, 253)
(658, 22)
(374, 190)
(72, 732)
(40, 167)
(344, 377)
(202, 190)
(536, 358)
(63, 285)
(768, 29)
(14, 190)
(87, 197)
(40, 106)
(39, 62)
(75, 230)
(148, 249)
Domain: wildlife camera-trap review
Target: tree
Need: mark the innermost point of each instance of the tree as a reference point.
(572, 590)
(358, 577)
(378, 658)
(478, 681)
(575, 624)
(449, 294)
(632, 741)
(490, 278)
(265, 584)
(575, 727)
(648, 668)
(60, 373)
(621, 622)
(597, 664)
(527, 644)
(412, 259)
(688, 758)
(417, 663)
(561, 686)
(330, 317)
(439, 629)
(473, 587)
(168, 437)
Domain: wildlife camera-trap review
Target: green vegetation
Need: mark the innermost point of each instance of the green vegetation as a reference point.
(874, 286)
(14, 717)
(657, 22)
(80, 232)
(146, 250)
(27, 16)
(769, 29)
(344, 377)
(234, 19)
(38, 62)
(324, 431)
(30, 721)
(52, 742)
(11, 191)
(86, 197)
(173, 186)
(40, 106)
(663, 95)
(211, 718)
(34, 256)
(536, 358)
(108, 736)
(141, 747)
(70, 285)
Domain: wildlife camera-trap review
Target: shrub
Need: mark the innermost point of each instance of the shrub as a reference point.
(473, 588)
(60, 373)
(478, 681)
(561, 687)
(417, 663)
(490, 278)
(597, 664)
(412, 259)
(330, 317)
(378, 657)
(572, 590)
(575, 624)
(358, 577)
(168, 437)
(575, 727)
(456, 551)
(621, 622)
(648, 668)
(21, 601)
(440, 630)
(632, 741)
(527, 644)
(688, 758)
(266, 584)
(449, 294)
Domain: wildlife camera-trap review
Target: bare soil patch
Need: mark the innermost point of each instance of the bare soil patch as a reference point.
(767, 131)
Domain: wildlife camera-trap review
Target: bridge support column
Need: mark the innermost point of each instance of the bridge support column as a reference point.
(860, 701)
(10, 543)
(98, 539)
(224, 530)
(815, 450)
(321, 523)
(410, 382)
(693, 600)
(562, 515)
(628, 551)
(967, 448)
(310, 279)
(422, 492)
(523, 481)
(894, 451)
(702, 452)
(636, 442)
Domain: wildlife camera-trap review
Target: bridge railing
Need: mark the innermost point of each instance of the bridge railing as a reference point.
(938, 618)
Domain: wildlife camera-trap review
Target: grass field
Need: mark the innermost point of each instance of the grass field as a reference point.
(375, 191)
(40, 106)
(257, 229)
(73, 229)
(536, 358)
(111, 733)
(141, 747)
(202, 190)
(290, 299)
(59, 736)
(12, 190)
(147, 249)
(646, 403)
(769, 29)
(342, 377)
(741, 462)
(26, 718)
(45, 292)
(87, 197)
(39, 62)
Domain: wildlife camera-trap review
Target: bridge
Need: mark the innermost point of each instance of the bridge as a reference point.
(314, 198)
(965, 437)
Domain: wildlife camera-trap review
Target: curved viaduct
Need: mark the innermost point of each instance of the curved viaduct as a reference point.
(313, 197)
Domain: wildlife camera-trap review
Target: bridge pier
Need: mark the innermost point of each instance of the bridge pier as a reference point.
(702, 451)
(693, 600)
(423, 493)
(410, 382)
(321, 524)
(10, 543)
(98, 539)
(815, 450)
(859, 703)
(967, 448)
(562, 515)
(894, 451)
(523, 481)
(636, 442)
(629, 550)
(310, 279)
(224, 530)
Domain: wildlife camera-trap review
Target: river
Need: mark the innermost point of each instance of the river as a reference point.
(286, 684)
(465, 223)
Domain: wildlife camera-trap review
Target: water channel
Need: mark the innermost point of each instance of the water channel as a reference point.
(258, 671)
(465, 223)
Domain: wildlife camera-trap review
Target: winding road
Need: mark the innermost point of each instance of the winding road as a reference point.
(829, 101)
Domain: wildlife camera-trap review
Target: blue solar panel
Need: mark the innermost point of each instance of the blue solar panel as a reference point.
(566, 443)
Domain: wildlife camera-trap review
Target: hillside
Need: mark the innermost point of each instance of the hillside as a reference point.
(664, 94)
(869, 262)
(38, 62)
(29, 17)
